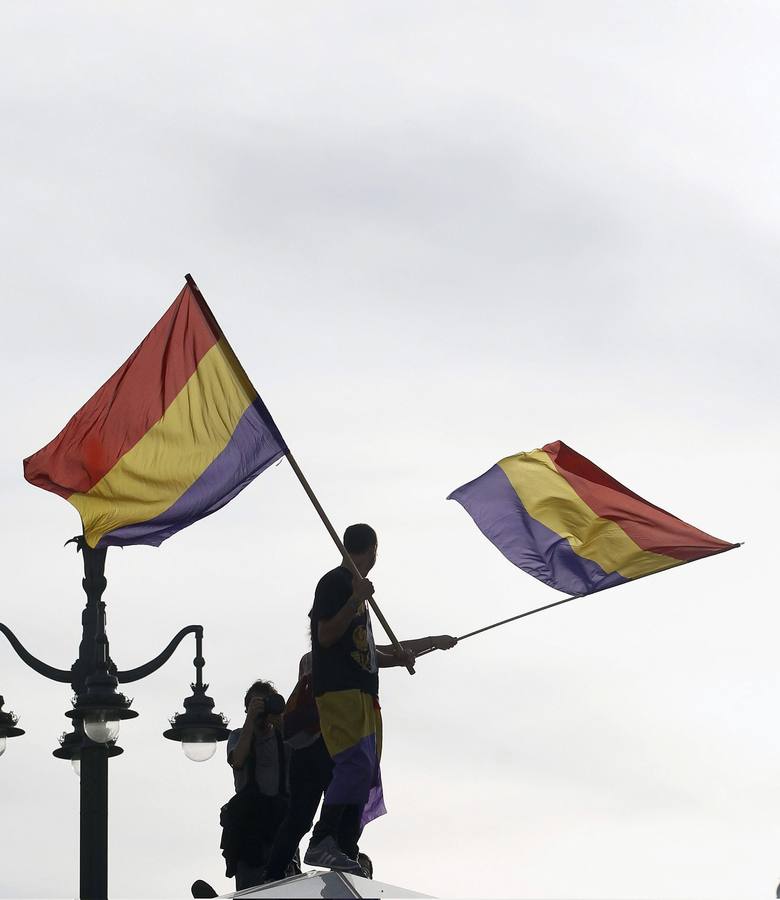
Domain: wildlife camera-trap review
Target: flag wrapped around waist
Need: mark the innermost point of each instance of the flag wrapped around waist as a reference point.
(565, 521)
(170, 438)
(351, 724)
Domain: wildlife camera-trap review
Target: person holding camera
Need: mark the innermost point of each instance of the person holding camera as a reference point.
(260, 762)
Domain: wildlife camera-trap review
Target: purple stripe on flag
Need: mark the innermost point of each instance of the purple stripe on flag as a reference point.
(254, 445)
(498, 512)
(375, 805)
(355, 772)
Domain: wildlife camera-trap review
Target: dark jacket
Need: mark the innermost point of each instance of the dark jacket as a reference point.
(250, 819)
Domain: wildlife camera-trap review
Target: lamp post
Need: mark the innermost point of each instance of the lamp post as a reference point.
(98, 709)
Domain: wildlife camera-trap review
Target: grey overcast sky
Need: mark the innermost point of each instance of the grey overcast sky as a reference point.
(436, 234)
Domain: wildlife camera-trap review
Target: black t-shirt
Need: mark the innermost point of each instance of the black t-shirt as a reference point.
(351, 662)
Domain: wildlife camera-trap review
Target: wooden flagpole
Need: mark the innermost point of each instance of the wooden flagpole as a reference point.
(304, 483)
(343, 550)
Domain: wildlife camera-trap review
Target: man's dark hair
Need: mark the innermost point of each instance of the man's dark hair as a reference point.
(359, 538)
(259, 689)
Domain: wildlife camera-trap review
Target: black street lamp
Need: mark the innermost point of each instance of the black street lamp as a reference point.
(8, 727)
(98, 708)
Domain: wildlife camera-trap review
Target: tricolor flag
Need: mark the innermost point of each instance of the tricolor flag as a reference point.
(170, 438)
(568, 523)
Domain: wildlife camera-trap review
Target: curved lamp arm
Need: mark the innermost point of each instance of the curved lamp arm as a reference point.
(154, 664)
(33, 662)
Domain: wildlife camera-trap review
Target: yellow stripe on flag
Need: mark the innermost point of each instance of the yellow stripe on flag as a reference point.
(551, 500)
(346, 717)
(174, 452)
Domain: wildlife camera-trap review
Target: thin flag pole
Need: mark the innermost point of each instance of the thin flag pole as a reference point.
(343, 550)
(302, 478)
(530, 612)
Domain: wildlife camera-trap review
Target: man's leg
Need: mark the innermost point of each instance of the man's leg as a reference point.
(347, 721)
(329, 824)
(308, 779)
(248, 876)
(324, 850)
(350, 830)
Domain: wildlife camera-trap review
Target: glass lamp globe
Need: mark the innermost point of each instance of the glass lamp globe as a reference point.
(199, 751)
(2, 745)
(76, 763)
(101, 727)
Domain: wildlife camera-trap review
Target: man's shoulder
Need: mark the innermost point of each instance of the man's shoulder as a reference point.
(339, 574)
(337, 579)
(333, 590)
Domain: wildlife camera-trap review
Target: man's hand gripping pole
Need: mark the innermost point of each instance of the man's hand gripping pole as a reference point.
(347, 558)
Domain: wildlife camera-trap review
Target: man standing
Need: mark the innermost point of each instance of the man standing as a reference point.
(311, 766)
(260, 763)
(345, 663)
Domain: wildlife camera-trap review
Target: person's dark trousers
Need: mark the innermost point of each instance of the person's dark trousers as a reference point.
(341, 821)
(311, 769)
(349, 830)
(248, 876)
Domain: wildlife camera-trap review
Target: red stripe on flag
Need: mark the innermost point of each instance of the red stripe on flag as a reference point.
(115, 418)
(649, 526)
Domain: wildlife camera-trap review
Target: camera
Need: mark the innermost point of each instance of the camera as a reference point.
(274, 705)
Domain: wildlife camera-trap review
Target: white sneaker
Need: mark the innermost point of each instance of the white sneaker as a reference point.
(326, 854)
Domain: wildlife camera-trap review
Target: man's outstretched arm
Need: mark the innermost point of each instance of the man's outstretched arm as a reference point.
(387, 656)
(419, 645)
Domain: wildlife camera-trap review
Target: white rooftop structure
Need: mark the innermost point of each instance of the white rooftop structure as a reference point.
(325, 884)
